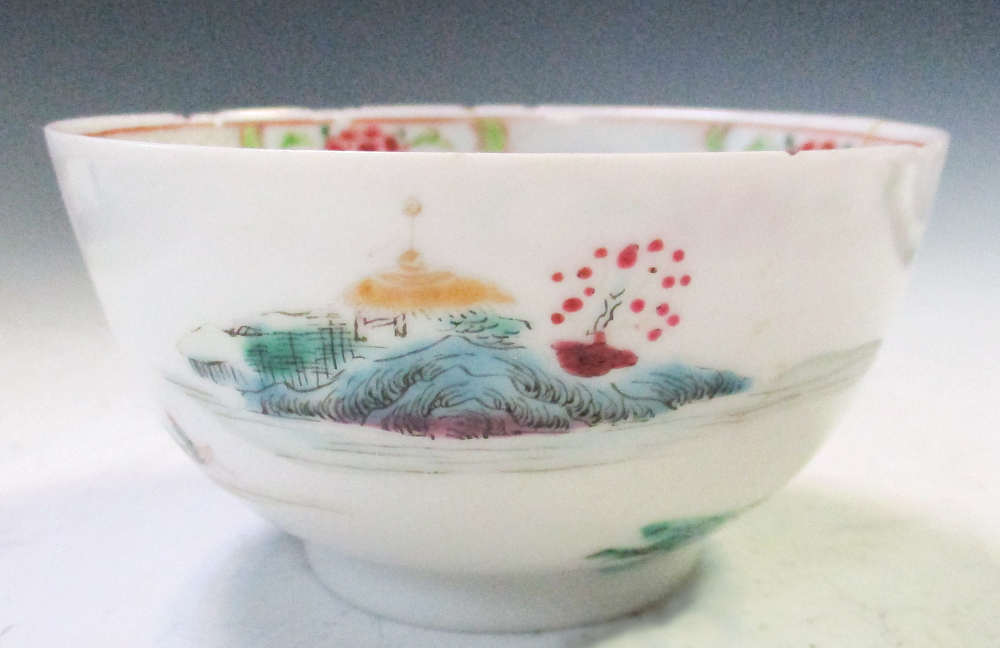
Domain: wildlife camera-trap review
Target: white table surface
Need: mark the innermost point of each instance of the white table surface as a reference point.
(110, 537)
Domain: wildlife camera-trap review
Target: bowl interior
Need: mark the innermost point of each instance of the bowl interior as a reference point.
(509, 129)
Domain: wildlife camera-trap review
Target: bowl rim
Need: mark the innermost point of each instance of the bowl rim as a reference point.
(882, 132)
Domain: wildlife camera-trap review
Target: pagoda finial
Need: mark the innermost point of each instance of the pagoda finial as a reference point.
(410, 261)
(412, 209)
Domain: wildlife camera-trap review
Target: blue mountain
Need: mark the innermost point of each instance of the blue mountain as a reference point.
(459, 388)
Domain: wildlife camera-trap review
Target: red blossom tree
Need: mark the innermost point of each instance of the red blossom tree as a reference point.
(369, 137)
(633, 289)
(811, 145)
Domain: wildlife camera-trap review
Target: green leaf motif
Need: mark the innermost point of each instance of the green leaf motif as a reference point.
(715, 140)
(662, 537)
(431, 137)
(291, 140)
(667, 536)
(492, 135)
(250, 137)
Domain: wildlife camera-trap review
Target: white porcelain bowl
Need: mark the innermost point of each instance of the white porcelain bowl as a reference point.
(505, 380)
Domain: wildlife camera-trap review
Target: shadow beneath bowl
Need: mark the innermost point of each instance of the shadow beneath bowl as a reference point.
(805, 566)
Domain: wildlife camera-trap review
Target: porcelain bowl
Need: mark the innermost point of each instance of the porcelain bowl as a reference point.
(500, 368)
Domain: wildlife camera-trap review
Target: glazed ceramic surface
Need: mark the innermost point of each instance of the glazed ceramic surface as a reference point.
(482, 358)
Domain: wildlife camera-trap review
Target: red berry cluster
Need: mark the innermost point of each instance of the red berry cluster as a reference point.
(364, 138)
(628, 259)
(813, 145)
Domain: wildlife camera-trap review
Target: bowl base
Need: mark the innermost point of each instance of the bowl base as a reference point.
(501, 602)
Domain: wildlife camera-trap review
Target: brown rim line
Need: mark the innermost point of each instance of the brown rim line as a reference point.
(867, 137)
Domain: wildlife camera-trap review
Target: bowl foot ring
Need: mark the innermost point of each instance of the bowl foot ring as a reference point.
(501, 602)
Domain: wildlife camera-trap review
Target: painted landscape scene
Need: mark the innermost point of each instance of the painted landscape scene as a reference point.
(427, 352)
(473, 381)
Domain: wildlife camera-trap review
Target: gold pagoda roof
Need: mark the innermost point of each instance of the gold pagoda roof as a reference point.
(411, 287)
